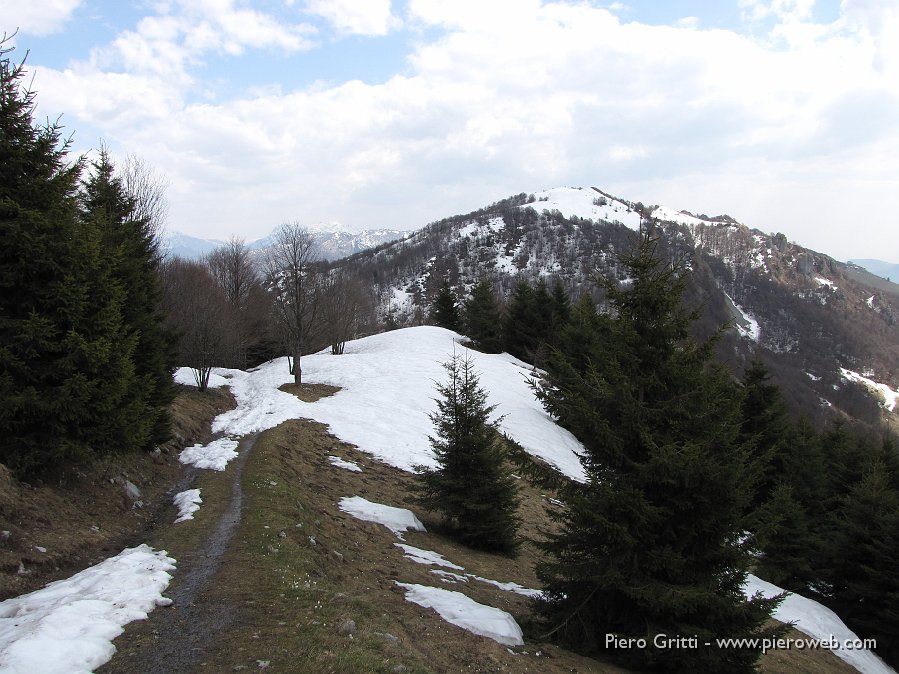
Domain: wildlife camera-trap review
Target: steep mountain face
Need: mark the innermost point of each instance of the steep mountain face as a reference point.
(332, 244)
(830, 335)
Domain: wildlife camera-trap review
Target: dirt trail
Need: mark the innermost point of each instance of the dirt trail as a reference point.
(176, 638)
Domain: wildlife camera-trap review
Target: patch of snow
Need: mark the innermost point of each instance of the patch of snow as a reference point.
(214, 456)
(812, 377)
(571, 202)
(870, 301)
(185, 376)
(459, 610)
(432, 558)
(821, 281)
(888, 394)
(429, 557)
(667, 214)
(819, 622)
(510, 587)
(188, 502)
(69, 625)
(449, 576)
(346, 465)
(746, 324)
(397, 520)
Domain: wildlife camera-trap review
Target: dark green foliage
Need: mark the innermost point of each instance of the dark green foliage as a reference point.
(129, 242)
(482, 318)
(68, 351)
(863, 554)
(650, 544)
(782, 532)
(521, 332)
(445, 309)
(471, 486)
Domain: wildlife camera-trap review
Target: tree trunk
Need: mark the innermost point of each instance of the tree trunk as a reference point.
(297, 370)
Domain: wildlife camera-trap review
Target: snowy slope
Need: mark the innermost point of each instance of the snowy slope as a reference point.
(387, 396)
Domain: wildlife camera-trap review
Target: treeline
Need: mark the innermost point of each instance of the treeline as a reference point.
(85, 358)
(695, 477)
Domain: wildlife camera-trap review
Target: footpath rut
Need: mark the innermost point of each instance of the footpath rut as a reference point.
(176, 638)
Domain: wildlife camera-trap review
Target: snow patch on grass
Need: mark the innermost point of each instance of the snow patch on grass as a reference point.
(69, 625)
(398, 520)
(459, 610)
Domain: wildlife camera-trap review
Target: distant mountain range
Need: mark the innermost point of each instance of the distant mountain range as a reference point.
(886, 270)
(333, 243)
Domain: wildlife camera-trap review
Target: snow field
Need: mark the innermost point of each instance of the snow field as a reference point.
(68, 626)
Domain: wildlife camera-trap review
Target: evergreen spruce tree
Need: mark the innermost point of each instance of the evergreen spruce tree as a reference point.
(482, 319)
(45, 268)
(863, 549)
(651, 543)
(445, 309)
(470, 487)
(521, 326)
(130, 243)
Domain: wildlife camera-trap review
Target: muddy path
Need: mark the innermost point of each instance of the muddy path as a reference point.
(176, 638)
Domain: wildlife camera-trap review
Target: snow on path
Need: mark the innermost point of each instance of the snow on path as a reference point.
(459, 610)
(398, 520)
(68, 626)
(214, 456)
(188, 502)
(819, 622)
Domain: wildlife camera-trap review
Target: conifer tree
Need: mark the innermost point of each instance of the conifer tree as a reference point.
(40, 299)
(130, 244)
(482, 319)
(521, 327)
(445, 309)
(863, 549)
(470, 487)
(651, 543)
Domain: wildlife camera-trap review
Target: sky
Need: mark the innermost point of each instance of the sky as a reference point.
(395, 113)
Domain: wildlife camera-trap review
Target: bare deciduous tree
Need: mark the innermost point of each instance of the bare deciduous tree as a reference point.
(234, 270)
(196, 307)
(343, 304)
(147, 187)
(291, 276)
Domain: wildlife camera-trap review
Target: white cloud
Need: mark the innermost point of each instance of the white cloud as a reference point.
(362, 17)
(37, 17)
(510, 96)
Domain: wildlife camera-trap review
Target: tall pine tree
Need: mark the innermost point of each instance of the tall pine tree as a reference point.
(651, 544)
(471, 486)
